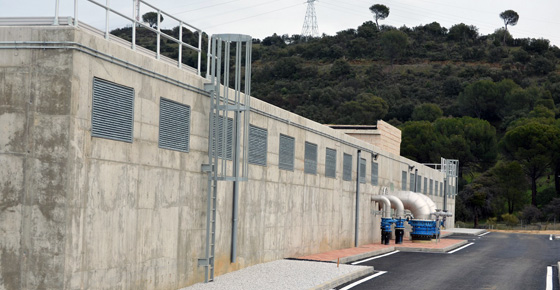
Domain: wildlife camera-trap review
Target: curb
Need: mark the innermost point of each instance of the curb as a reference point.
(344, 279)
(350, 259)
(428, 250)
(479, 232)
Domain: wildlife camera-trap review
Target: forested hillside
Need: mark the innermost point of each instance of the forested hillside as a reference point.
(488, 100)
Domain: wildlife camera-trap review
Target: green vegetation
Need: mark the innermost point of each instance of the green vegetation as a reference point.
(490, 101)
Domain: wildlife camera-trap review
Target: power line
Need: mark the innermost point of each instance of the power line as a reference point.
(205, 7)
(235, 10)
(253, 16)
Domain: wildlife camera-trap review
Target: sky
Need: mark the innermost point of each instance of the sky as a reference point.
(262, 18)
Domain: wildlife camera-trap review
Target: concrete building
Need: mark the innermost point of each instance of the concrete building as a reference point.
(79, 211)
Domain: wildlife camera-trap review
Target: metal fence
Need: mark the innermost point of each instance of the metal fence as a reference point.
(135, 23)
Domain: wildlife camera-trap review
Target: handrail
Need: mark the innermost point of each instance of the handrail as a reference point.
(136, 23)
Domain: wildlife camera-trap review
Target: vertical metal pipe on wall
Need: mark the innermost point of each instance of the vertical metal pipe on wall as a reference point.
(235, 211)
(357, 201)
(445, 192)
(415, 180)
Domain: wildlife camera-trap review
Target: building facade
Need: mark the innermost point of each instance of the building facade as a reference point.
(92, 201)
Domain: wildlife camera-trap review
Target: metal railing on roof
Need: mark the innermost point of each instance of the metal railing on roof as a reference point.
(136, 23)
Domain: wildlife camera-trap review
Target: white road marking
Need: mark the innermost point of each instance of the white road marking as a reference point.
(376, 257)
(484, 234)
(549, 278)
(363, 280)
(550, 237)
(467, 245)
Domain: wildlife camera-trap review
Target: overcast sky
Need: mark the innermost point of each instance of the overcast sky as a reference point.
(537, 18)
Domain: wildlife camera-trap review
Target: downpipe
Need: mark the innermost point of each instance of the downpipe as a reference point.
(357, 222)
(386, 219)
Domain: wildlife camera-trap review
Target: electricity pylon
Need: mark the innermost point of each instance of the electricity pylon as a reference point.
(310, 28)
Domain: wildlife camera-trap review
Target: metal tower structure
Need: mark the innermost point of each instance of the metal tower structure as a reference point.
(310, 28)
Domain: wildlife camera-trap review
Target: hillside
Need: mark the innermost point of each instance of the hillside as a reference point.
(488, 100)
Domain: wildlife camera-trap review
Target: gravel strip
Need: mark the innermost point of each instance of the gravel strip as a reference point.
(285, 274)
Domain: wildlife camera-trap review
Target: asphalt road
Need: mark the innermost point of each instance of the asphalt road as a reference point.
(494, 261)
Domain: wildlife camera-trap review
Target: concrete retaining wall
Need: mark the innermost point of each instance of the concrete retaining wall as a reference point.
(84, 212)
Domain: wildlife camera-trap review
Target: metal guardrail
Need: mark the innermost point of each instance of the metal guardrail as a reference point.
(136, 23)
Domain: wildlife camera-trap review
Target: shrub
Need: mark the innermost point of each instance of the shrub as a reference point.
(510, 219)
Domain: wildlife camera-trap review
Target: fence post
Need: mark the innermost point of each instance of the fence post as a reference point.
(180, 59)
(75, 13)
(57, 3)
(134, 19)
(107, 20)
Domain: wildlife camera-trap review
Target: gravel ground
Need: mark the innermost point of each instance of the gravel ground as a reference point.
(281, 274)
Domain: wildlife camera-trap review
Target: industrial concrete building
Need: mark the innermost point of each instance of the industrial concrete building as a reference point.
(96, 193)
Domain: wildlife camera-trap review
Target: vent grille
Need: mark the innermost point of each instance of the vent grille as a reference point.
(330, 163)
(436, 188)
(112, 111)
(425, 185)
(374, 173)
(431, 187)
(258, 145)
(347, 167)
(286, 160)
(220, 139)
(411, 182)
(310, 164)
(362, 170)
(174, 125)
(419, 183)
(404, 181)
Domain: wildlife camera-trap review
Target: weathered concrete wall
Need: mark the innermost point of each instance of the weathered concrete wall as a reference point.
(81, 212)
(35, 97)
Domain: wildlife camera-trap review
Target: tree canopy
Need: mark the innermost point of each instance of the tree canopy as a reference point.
(510, 17)
(151, 19)
(379, 11)
(533, 145)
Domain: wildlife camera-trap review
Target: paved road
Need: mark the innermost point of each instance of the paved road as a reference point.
(494, 261)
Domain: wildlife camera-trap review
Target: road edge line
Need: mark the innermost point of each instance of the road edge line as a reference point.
(363, 280)
(549, 276)
(467, 245)
(375, 257)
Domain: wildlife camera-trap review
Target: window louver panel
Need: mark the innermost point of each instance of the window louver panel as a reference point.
(220, 137)
(425, 185)
(347, 167)
(174, 125)
(330, 163)
(411, 182)
(441, 189)
(404, 181)
(258, 145)
(431, 187)
(436, 188)
(362, 170)
(286, 154)
(310, 162)
(374, 173)
(419, 183)
(112, 111)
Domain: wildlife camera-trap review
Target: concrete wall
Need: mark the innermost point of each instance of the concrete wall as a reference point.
(382, 135)
(81, 212)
